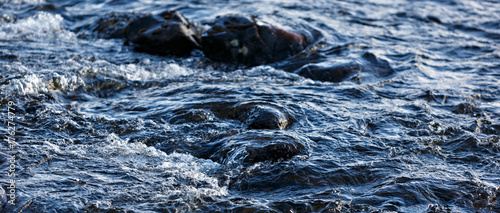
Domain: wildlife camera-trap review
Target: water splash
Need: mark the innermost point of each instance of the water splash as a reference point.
(36, 28)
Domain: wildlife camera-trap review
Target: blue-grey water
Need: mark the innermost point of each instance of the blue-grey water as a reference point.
(98, 127)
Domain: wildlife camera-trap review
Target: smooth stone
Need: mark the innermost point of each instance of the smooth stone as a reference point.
(192, 115)
(279, 150)
(252, 147)
(366, 67)
(332, 73)
(376, 66)
(244, 40)
(168, 33)
(263, 116)
(113, 25)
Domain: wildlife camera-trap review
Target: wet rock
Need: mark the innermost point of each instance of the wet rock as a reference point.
(366, 67)
(332, 73)
(467, 108)
(493, 129)
(252, 147)
(376, 66)
(244, 40)
(113, 25)
(168, 33)
(193, 115)
(263, 116)
(280, 150)
(33, 107)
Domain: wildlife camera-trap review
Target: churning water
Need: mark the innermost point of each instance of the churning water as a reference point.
(96, 127)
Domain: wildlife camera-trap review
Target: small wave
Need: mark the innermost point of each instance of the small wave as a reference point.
(41, 26)
(30, 84)
(39, 83)
(193, 173)
(149, 72)
(75, 74)
(143, 71)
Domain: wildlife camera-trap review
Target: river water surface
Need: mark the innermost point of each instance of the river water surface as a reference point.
(101, 128)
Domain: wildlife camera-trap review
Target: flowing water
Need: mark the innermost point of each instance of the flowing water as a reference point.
(96, 127)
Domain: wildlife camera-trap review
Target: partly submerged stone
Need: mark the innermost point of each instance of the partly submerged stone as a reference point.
(168, 33)
(255, 114)
(263, 116)
(376, 66)
(366, 67)
(332, 73)
(467, 108)
(113, 25)
(192, 116)
(243, 40)
(258, 146)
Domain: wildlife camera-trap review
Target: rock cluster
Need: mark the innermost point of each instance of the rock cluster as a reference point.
(232, 38)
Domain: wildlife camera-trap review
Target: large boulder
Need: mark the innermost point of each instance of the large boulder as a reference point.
(168, 33)
(244, 40)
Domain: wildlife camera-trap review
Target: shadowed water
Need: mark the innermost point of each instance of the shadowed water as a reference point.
(101, 128)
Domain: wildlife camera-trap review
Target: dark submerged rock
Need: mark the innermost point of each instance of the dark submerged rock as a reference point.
(333, 73)
(256, 115)
(368, 65)
(243, 40)
(278, 150)
(193, 115)
(467, 108)
(168, 33)
(113, 25)
(263, 116)
(46, 7)
(252, 147)
(376, 66)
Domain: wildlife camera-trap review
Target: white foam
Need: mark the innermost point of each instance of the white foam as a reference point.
(265, 71)
(39, 27)
(143, 71)
(70, 75)
(41, 83)
(190, 175)
(30, 84)
(162, 70)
